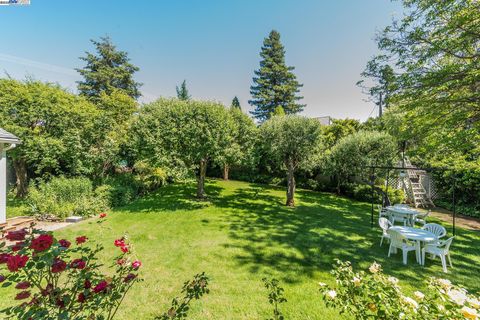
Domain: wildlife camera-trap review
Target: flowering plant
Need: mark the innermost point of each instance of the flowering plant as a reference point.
(374, 295)
(58, 279)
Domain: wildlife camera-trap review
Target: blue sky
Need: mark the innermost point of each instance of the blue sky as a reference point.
(213, 44)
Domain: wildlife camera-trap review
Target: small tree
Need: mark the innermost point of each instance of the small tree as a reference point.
(182, 91)
(240, 150)
(236, 103)
(189, 134)
(107, 70)
(274, 83)
(350, 156)
(294, 142)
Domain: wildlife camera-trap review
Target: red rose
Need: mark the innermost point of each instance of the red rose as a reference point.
(124, 249)
(129, 277)
(60, 303)
(18, 246)
(48, 289)
(4, 257)
(78, 264)
(23, 285)
(81, 298)
(102, 286)
(22, 295)
(81, 239)
(2, 278)
(64, 243)
(87, 284)
(119, 242)
(103, 215)
(58, 265)
(18, 235)
(136, 264)
(42, 242)
(15, 263)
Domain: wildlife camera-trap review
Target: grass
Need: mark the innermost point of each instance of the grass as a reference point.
(244, 233)
(16, 207)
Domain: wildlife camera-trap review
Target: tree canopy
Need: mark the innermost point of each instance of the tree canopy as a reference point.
(236, 103)
(106, 70)
(182, 91)
(274, 84)
(187, 134)
(294, 142)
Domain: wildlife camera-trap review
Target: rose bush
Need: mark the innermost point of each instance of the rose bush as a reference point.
(58, 280)
(374, 295)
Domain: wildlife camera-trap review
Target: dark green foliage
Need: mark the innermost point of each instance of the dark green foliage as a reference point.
(62, 197)
(363, 192)
(192, 290)
(338, 129)
(274, 83)
(275, 297)
(236, 103)
(121, 189)
(182, 91)
(106, 70)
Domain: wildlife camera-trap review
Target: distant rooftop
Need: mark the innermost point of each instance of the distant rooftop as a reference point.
(326, 121)
(7, 137)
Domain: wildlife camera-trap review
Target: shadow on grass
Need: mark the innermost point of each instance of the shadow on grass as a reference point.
(173, 198)
(324, 227)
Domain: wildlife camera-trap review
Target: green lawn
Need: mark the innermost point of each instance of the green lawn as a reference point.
(243, 234)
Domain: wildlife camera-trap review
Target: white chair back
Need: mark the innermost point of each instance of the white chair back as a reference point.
(436, 229)
(447, 243)
(384, 224)
(396, 238)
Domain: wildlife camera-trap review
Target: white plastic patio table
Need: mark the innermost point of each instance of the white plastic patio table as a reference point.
(402, 211)
(417, 235)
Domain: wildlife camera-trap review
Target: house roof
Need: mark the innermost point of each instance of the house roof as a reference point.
(7, 137)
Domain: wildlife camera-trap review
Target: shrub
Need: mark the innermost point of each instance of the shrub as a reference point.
(363, 192)
(121, 189)
(149, 177)
(63, 196)
(57, 279)
(374, 295)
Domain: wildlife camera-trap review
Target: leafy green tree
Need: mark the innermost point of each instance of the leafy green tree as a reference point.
(236, 103)
(338, 129)
(106, 70)
(384, 86)
(294, 142)
(350, 157)
(274, 83)
(182, 91)
(435, 50)
(54, 127)
(278, 112)
(177, 133)
(240, 151)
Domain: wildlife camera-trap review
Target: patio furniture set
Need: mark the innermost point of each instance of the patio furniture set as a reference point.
(407, 237)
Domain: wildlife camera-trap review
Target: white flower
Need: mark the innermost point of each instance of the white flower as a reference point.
(419, 295)
(469, 313)
(457, 296)
(441, 307)
(474, 302)
(446, 284)
(321, 284)
(401, 315)
(411, 302)
(331, 294)
(375, 267)
(356, 281)
(392, 280)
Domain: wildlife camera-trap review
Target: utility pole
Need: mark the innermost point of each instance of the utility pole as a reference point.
(380, 104)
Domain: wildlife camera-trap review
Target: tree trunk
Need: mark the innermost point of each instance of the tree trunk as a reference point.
(338, 185)
(291, 185)
(20, 167)
(226, 168)
(201, 179)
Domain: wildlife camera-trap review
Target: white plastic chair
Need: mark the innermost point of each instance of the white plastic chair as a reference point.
(394, 217)
(422, 218)
(382, 212)
(436, 229)
(441, 249)
(385, 224)
(398, 241)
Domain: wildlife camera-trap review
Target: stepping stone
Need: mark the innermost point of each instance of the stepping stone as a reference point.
(74, 219)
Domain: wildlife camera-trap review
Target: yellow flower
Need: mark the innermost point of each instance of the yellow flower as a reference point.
(419, 295)
(469, 313)
(356, 281)
(372, 307)
(375, 267)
